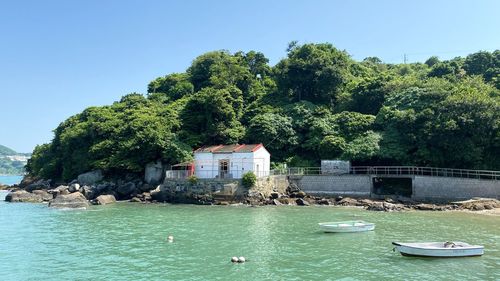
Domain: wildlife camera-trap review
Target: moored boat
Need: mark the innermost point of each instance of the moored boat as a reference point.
(346, 226)
(439, 249)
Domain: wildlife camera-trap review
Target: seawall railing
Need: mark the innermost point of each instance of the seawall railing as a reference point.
(394, 171)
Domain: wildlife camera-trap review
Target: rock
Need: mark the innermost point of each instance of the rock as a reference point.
(44, 195)
(298, 194)
(323, 201)
(90, 178)
(135, 199)
(56, 191)
(302, 202)
(275, 195)
(23, 196)
(73, 200)
(126, 189)
(376, 206)
(234, 259)
(153, 173)
(426, 207)
(105, 199)
(74, 187)
(348, 202)
(40, 184)
(90, 192)
(292, 188)
(145, 187)
(276, 202)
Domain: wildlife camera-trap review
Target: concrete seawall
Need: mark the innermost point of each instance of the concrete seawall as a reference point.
(445, 188)
(424, 188)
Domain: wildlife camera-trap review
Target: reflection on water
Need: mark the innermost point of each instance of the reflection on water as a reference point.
(128, 242)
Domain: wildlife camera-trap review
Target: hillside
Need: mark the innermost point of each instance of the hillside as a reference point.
(316, 103)
(6, 151)
(11, 162)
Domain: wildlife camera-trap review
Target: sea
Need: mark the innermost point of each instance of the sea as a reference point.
(128, 241)
(10, 180)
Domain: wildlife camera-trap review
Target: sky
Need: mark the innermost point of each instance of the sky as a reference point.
(58, 57)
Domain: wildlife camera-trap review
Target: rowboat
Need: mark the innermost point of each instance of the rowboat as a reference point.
(346, 226)
(439, 249)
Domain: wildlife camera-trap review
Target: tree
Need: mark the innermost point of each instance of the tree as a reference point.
(313, 72)
(209, 117)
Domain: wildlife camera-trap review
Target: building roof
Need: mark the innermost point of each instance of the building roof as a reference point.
(229, 148)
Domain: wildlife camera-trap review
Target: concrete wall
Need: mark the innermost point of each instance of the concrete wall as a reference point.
(444, 188)
(351, 185)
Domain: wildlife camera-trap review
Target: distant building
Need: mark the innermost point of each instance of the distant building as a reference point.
(231, 161)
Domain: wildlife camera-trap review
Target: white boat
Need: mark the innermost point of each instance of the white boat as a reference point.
(346, 226)
(439, 249)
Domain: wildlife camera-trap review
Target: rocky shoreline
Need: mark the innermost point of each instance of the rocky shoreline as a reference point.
(92, 189)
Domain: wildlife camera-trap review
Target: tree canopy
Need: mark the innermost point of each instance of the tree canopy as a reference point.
(316, 103)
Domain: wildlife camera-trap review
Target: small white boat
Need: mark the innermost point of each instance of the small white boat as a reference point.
(439, 249)
(346, 226)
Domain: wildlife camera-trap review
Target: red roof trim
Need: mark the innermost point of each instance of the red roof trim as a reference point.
(257, 147)
(239, 147)
(217, 148)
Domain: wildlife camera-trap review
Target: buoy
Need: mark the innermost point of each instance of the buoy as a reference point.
(170, 238)
(241, 259)
(234, 259)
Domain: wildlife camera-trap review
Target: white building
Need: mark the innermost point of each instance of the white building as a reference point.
(231, 161)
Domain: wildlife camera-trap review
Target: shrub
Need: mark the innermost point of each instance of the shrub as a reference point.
(193, 179)
(249, 179)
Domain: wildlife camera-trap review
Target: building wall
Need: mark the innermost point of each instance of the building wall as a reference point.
(207, 164)
(445, 188)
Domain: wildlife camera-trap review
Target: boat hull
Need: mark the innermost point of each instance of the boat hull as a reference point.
(436, 249)
(349, 226)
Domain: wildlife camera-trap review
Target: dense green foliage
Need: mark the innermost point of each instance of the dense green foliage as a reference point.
(248, 179)
(317, 103)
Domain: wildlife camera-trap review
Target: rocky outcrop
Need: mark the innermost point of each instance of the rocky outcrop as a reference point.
(46, 197)
(23, 196)
(105, 199)
(125, 190)
(153, 174)
(39, 184)
(73, 200)
(90, 178)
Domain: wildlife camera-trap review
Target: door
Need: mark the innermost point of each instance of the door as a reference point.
(223, 168)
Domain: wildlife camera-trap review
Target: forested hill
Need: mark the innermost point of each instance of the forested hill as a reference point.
(6, 151)
(317, 103)
(11, 162)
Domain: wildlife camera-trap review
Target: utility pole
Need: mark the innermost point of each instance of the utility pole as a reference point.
(404, 58)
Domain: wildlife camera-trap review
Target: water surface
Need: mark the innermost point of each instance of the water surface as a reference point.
(10, 180)
(127, 241)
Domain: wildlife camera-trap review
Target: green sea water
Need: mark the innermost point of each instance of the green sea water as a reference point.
(128, 241)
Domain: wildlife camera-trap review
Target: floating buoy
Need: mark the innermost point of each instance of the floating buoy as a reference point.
(241, 259)
(170, 238)
(234, 259)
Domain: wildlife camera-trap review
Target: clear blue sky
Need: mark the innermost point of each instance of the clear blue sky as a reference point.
(59, 57)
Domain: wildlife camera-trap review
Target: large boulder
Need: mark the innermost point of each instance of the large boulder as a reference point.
(23, 196)
(153, 173)
(74, 187)
(73, 200)
(126, 189)
(105, 199)
(44, 195)
(39, 184)
(90, 178)
(90, 192)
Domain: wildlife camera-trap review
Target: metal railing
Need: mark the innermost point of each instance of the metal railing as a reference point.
(354, 170)
(396, 170)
